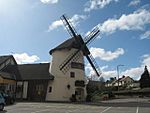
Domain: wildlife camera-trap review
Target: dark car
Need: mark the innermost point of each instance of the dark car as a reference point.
(2, 102)
(9, 98)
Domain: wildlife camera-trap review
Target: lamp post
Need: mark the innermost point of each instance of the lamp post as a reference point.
(118, 73)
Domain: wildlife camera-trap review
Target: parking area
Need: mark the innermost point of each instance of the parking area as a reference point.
(103, 107)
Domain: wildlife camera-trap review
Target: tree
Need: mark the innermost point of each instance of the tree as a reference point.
(145, 79)
(112, 79)
(101, 79)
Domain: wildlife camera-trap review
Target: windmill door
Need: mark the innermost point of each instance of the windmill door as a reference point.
(79, 94)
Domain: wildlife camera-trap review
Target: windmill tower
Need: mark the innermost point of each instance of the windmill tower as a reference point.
(67, 66)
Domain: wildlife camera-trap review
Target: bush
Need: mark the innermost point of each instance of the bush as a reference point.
(73, 98)
(88, 98)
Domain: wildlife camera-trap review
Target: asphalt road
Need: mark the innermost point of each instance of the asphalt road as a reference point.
(117, 106)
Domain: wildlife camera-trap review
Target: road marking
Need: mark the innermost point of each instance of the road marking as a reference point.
(40, 111)
(137, 109)
(69, 111)
(105, 109)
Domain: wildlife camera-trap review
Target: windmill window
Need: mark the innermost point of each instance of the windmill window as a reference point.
(72, 74)
(50, 89)
(77, 65)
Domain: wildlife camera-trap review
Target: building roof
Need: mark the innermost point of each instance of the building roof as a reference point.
(35, 71)
(7, 75)
(113, 82)
(4, 58)
(9, 70)
(13, 69)
(125, 77)
(71, 43)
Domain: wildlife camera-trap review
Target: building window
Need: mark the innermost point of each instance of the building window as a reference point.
(50, 89)
(72, 74)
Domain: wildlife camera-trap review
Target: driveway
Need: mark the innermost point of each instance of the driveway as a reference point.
(112, 106)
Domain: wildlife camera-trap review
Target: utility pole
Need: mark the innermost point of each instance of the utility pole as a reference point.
(118, 73)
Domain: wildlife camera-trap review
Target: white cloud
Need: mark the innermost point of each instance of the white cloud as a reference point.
(146, 60)
(134, 2)
(133, 21)
(106, 55)
(75, 20)
(106, 74)
(146, 35)
(55, 25)
(103, 55)
(45, 62)
(97, 4)
(90, 73)
(89, 70)
(25, 58)
(49, 1)
(104, 67)
(135, 72)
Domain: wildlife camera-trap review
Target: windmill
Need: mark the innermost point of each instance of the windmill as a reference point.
(82, 43)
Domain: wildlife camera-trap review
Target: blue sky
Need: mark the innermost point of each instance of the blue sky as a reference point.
(30, 28)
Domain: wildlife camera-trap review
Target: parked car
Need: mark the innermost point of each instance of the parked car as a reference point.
(9, 98)
(2, 102)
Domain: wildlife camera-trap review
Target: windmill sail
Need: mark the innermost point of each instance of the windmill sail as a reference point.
(92, 35)
(94, 64)
(65, 66)
(71, 30)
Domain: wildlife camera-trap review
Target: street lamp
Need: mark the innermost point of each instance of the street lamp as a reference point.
(118, 73)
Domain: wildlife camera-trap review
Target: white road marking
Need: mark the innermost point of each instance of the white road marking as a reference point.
(40, 111)
(105, 109)
(137, 109)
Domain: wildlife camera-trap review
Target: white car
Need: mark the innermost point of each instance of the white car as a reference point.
(2, 102)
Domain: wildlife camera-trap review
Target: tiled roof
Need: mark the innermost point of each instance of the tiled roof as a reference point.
(4, 58)
(124, 78)
(35, 71)
(9, 71)
(24, 71)
(13, 69)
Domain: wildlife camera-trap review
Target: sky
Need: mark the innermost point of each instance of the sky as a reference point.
(29, 29)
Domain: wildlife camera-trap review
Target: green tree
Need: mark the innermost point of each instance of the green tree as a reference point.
(101, 79)
(145, 79)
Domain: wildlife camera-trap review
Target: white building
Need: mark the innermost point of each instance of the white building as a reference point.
(72, 82)
(46, 82)
(124, 82)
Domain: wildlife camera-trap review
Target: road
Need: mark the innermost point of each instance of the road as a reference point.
(118, 106)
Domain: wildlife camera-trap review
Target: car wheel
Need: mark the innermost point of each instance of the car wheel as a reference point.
(1, 107)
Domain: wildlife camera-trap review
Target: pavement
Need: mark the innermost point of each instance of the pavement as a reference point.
(125, 100)
(129, 102)
(111, 106)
